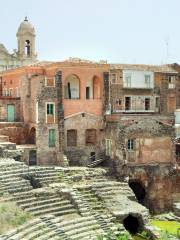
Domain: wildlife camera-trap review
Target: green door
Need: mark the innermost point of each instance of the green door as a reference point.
(10, 113)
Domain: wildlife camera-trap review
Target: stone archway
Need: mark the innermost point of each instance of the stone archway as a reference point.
(132, 224)
(139, 190)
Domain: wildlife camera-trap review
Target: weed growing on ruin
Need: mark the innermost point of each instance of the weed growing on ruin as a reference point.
(11, 216)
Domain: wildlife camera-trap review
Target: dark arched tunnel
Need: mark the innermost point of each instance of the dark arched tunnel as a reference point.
(138, 190)
(132, 224)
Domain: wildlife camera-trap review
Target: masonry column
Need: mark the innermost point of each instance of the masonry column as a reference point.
(60, 110)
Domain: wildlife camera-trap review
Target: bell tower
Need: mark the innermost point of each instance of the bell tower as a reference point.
(26, 42)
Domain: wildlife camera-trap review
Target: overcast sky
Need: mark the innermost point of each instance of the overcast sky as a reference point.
(124, 31)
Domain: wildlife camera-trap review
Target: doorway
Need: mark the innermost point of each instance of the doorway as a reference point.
(138, 190)
(32, 158)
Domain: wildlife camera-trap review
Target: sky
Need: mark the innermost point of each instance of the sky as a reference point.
(119, 31)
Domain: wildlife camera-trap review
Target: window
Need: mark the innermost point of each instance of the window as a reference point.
(108, 147)
(130, 144)
(118, 101)
(127, 103)
(50, 109)
(113, 78)
(27, 48)
(171, 82)
(128, 80)
(147, 80)
(87, 92)
(72, 87)
(10, 92)
(157, 103)
(49, 81)
(17, 92)
(90, 136)
(50, 113)
(147, 104)
(52, 138)
(71, 138)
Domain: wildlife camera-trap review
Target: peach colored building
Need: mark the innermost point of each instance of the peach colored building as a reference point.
(64, 101)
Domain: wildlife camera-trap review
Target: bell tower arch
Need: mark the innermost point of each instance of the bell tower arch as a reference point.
(26, 42)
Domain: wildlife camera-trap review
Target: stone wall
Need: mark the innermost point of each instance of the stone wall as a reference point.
(80, 154)
(4, 102)
(151, 160)
(160, 182)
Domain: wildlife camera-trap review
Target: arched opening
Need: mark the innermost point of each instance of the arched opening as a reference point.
(93, 88)
(96, 87)
(138, 190)
(27, 48)
(132, 224)
(89, 89)
(32, 136)
(72, 87)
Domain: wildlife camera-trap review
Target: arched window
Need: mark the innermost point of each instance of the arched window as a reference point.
(71, 87)
(93, 88)
(27, 48)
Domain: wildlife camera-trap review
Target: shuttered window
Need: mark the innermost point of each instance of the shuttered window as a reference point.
(52, 138)
(50, 109)
(91, 136)
(71, 137)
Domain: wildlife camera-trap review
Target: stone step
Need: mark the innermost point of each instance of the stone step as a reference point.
(37, 202)
(64, 223)
(88, 234)
(79, 225)
(12, 182)
(24, 201)
(57, 210)
(24, 195)
(13, 173)
(17, 189)
(24, 229)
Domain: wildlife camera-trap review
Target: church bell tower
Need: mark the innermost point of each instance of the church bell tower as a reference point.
(26, 42)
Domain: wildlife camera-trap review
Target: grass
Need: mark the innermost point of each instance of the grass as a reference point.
(11, 216)
(170, 227)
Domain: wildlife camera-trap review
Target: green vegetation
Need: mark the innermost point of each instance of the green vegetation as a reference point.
(111, 236)
(11, 216)
(61, 175)
(169, 227)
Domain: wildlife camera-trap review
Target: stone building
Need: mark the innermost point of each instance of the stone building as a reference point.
(25, 54)
(90, 111)
(140, 134)
(62, 105)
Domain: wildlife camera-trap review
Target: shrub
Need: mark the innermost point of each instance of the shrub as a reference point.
(11, 216)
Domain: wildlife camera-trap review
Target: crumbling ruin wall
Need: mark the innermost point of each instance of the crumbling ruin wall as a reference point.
(154, 140)
(160, 182)
(152, 158)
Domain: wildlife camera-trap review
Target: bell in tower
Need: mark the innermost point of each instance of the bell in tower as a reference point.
(26, 42)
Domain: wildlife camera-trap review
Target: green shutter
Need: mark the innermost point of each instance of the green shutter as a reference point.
(52, 138)
(10, 113)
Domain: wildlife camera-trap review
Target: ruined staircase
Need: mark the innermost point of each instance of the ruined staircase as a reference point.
(68, 204)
